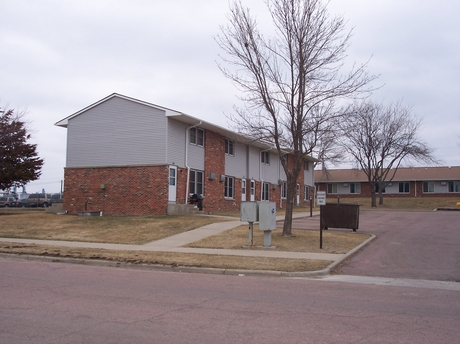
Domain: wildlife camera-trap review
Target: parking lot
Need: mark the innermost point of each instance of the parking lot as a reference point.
(409, 244)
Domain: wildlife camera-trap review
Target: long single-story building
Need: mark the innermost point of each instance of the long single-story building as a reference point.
(407, 182)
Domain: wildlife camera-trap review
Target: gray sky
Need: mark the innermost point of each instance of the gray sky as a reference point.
(59, 56)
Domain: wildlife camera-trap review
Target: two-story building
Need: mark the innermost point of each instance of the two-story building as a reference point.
(129, 157)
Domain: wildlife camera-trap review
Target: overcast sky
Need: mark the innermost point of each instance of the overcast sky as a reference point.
(60, 56)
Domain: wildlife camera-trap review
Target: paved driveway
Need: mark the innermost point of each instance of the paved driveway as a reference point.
(409, 244)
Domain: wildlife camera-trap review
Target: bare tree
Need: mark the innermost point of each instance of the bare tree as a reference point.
(379, 138)
(291, 82)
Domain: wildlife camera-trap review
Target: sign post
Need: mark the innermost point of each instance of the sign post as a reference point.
(321, 200)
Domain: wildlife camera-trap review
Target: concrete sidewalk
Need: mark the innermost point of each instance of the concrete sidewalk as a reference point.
(175, 244)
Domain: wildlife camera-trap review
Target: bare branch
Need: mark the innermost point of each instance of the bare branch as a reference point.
(291, 83)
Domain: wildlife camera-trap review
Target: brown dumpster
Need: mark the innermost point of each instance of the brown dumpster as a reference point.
(339, 215)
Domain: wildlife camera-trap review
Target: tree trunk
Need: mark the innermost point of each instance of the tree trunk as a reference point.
(374, 197)
(290, 195)
(380, 197)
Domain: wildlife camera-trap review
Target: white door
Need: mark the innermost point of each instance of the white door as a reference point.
(298, 194)
(172, 184)
(243, 190)
(252, 190)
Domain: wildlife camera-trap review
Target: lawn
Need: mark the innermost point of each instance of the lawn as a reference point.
(36, 224)
(137, 230)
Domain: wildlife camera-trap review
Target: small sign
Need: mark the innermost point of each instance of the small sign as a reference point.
(321, 197)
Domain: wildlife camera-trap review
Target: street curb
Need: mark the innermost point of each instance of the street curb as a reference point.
(186, 269)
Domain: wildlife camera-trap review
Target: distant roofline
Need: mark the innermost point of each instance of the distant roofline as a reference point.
(432, 173)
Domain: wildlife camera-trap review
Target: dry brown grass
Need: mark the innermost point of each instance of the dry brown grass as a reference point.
(135, 230)
(301, 240)
(398, 203)
(36, 224)
(169, 259)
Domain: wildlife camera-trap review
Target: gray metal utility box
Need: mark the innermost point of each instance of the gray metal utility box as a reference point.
(339, 215)
(267, 216)
(249, 212)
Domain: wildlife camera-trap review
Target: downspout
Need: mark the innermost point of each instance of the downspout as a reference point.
(187, 143)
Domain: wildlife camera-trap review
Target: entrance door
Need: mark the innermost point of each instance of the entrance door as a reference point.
(172, 184)
(252, 190)
(243, 190)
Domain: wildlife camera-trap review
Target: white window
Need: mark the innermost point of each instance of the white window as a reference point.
(229, 147)
(265, 191)
(197, 136)
(229, 187)
(428, 187)
(265, 158)
(454, 186)
(306, 193)
(404, 187)
(306, 165)
(283, 189)
(355, 188)
(331, 188)
(196, 182)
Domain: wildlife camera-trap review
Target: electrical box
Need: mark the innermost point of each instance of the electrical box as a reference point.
(267, 216)
(249, 212)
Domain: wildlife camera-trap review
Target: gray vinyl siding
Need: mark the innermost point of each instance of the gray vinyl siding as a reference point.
(196, 157)
(176, 142)
(254, 163)
(270, 173)
(309, 176)
(117, 132)
(236, 165)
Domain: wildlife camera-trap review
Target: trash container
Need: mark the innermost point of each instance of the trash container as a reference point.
(198, 200)
(339, 215)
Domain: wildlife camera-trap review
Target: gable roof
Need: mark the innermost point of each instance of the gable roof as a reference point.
(64, 122)
(184, 118)
(402, 174)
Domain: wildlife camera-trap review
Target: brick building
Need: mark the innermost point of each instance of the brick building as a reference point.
(407, 182)
(129, 157)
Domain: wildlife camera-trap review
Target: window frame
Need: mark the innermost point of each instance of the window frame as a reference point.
(229, 147)
(229, 187)
(306, 192)
(356, 188)
(427, 188)
(265, 157)
(283, 189)
(265, 191)
(453, 186)
(332, 186)
(402, 186)
(196, 137)
(196, 182)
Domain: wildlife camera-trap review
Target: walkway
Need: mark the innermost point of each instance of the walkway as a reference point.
(175, 244)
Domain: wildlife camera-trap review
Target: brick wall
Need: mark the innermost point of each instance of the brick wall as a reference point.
(141, 190)
(214, 161)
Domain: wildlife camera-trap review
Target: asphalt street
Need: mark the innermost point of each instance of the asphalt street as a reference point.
(401, 288)
(67, 303)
